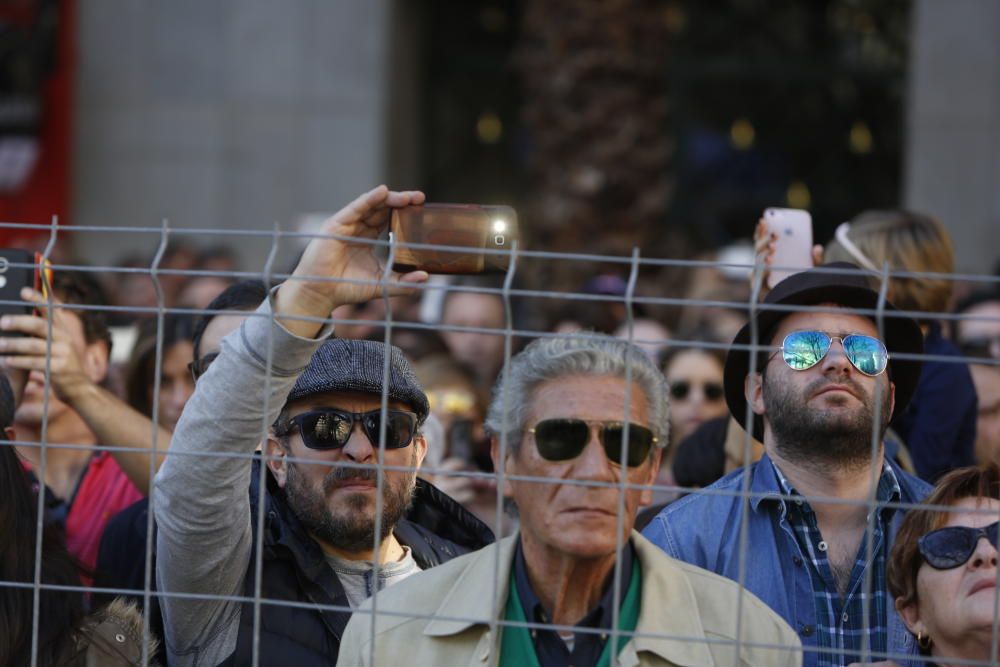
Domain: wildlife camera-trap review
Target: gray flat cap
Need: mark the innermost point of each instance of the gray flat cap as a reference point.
(357, 365)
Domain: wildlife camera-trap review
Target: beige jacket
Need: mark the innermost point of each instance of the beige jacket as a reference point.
(442, 617)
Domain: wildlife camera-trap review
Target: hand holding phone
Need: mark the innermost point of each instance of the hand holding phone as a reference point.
(468, 228)
(784, 239)
(30, 342)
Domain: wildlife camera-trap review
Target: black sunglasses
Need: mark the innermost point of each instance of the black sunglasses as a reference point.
(712, 391)
(199, 366)
(947, 548)
(981, 348)
(565, 439)
(331, 429)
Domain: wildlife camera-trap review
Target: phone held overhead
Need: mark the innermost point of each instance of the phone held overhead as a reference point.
(471, 238)
(793, 246)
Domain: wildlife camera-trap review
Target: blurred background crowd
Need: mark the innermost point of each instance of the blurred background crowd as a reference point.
(661, 125)
(170, 138)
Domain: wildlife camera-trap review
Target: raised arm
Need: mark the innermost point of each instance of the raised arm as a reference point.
(74, 381)
(201, 502)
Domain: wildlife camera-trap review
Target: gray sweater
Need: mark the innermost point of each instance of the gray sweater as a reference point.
(201, 502)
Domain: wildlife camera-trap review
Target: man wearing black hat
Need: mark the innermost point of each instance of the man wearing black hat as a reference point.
(820, 515)
(338, 511)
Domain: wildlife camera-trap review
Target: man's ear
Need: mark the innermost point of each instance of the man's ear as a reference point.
(753, 390)
(95, 361)
(654, 468)
(508, 490)
(892, 399)
(10, 434)
(420, 445)
(277, 465)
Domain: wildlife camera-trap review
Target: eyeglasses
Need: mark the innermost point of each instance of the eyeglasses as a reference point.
(331, 429)
(712, 391)
(565, 439)
(802, 350)
(947, 548)
(199, 366)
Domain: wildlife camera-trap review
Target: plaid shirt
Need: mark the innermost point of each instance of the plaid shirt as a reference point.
(841, 627)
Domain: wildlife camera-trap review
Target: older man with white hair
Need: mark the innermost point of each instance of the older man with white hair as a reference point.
(578, 427)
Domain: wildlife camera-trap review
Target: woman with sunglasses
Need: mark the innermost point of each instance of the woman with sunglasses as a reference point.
(943, 568)
(696, 396)
(696, 393)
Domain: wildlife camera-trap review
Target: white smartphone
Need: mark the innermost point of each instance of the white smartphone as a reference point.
(793, 249)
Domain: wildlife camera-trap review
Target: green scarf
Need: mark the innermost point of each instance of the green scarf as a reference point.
(518, 650)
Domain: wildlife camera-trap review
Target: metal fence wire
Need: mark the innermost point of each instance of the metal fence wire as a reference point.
(514, 332)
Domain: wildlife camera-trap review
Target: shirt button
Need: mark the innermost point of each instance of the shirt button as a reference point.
(822, 545)
(807, 630)
(845, 617)
(797, 560)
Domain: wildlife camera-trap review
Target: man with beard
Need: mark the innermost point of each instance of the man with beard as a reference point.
(812, 535)
(338, 512)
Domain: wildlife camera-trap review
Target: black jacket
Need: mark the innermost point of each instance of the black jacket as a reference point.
(436, 529)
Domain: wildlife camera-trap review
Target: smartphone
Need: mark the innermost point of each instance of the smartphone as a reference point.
(793, 249)
(468, 229)
(17, 271)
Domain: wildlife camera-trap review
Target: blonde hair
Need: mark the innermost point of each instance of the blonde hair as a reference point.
(908, 242)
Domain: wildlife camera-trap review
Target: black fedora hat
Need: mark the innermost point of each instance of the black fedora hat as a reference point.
(810, 288)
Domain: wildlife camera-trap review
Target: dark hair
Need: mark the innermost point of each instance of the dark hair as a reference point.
(701, 457)
(981, 481)
(243, 296)
(8, 404)
(60, 612)
(670, 352)
(217, 252)
(81, 288)
(141, 368)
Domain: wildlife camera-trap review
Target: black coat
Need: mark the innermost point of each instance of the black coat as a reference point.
(436, 529)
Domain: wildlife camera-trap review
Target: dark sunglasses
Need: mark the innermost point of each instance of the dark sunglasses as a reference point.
(712, 391)
(981, 348)
(331, 429)
(199, 366)
(802, 350)
(565, 439)
(947, 548)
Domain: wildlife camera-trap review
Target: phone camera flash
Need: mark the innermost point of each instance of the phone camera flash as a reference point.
(499, 226)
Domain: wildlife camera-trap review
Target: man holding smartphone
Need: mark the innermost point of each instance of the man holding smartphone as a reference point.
(87, 486)
(333, 527)
(822, 512)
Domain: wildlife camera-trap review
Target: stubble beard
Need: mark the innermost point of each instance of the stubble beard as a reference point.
(350, 525)
(822, 439)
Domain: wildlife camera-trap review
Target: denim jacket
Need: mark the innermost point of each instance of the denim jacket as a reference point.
(704, 529)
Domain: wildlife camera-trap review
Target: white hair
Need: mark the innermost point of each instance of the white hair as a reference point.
(590, 354)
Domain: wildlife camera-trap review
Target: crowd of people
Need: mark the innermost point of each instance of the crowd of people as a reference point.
(808, 481)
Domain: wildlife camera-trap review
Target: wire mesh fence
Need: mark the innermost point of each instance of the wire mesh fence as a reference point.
(245, 406)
